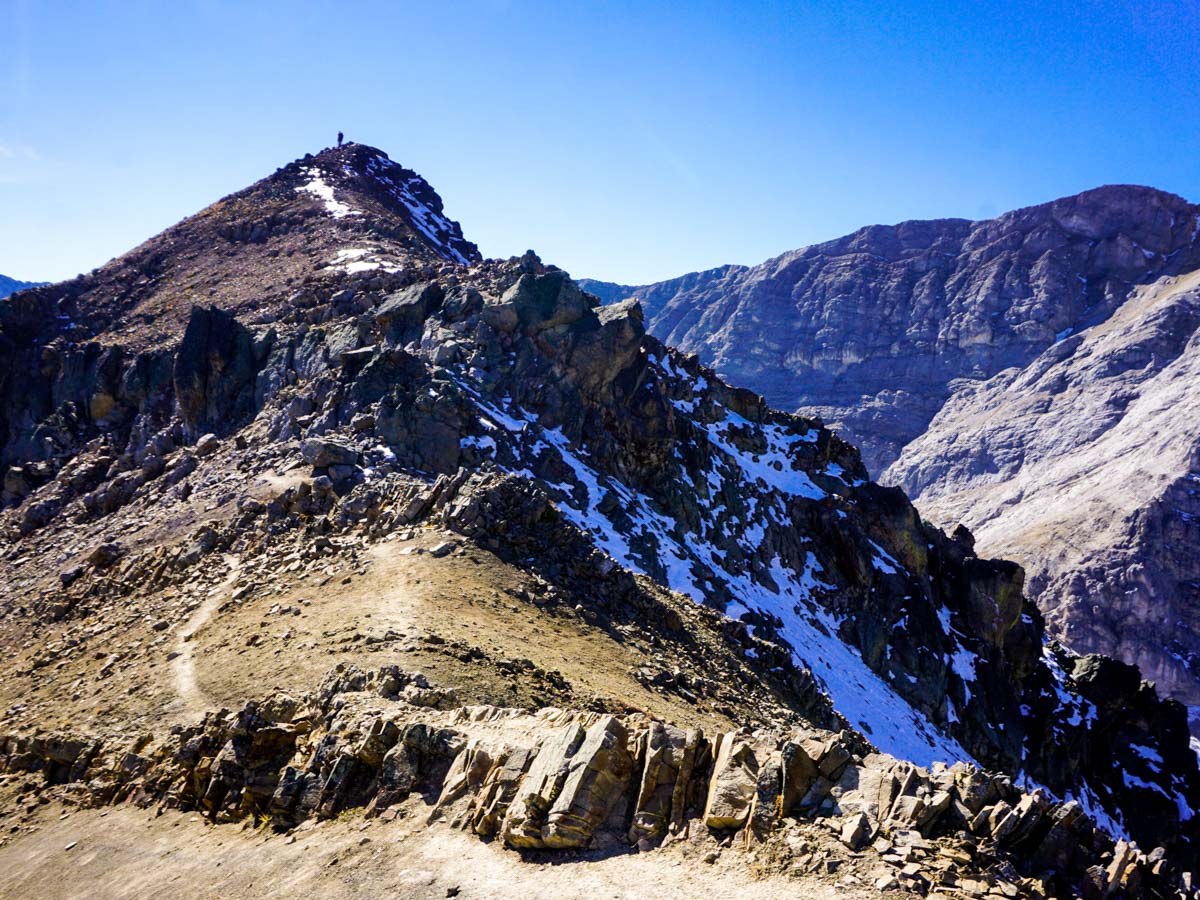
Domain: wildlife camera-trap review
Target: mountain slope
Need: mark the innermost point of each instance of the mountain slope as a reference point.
(1014, 375)
(871, 331)
(588, 544)
(1083, 466)
(256, 250)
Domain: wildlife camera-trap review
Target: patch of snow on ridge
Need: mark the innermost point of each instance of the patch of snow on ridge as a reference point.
(862, 696)
(323, 192)
(962, 662)
(1076, 709)
(436, 228)
(774, 465)
(865, 699)
(364, 259)
(1152, 757)
(883, 561)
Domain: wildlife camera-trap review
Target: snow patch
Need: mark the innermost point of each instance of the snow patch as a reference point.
(317, 187)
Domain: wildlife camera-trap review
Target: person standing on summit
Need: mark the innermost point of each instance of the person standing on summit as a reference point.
(339, 139)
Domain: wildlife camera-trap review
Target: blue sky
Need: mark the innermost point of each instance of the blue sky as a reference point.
(628, 141)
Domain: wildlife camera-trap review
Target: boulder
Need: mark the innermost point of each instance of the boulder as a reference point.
(575, 780)
(105, 555)
(207, 445)
(856, 831)
(670, 756)
(498, 790)
(733, 785)
(323, 452)
(215, 370)
(545, 301)
(402, 314)
(799, 772)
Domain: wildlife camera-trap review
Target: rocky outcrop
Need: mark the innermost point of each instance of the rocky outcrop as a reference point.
(215, 370)
(572, 787)
(578, 781)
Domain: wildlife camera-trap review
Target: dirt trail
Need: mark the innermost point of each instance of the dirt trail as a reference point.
(183, 666)
(124, 851)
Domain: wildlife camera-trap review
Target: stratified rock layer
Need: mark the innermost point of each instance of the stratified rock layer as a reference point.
(567, 780)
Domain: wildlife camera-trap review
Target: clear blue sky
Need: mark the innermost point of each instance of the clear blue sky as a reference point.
(628, 141)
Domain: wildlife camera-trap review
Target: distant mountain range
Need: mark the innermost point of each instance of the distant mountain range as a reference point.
(1033, 376)
(11, 285)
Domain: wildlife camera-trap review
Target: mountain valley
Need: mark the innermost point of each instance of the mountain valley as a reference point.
(1027, 376)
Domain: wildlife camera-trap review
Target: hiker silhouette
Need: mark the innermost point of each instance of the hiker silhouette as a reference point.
(339, 139)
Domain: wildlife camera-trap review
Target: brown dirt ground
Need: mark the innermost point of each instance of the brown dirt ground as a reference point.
(129, 852)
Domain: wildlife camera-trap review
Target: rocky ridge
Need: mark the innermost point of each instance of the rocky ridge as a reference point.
(871, 331)
(499, 401)
(387, 743)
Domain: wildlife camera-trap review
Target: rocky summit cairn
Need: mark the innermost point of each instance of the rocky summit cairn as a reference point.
(579, 595)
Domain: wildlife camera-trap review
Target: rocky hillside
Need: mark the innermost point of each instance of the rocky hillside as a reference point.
(1025, 375)
(11, 285)
(370, 449)
(1083, 466)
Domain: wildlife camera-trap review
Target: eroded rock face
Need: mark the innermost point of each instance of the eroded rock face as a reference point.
(215, 370)
(1082, 466)
(870, 331)
(671, 756)
(576, 780)
(569, 786)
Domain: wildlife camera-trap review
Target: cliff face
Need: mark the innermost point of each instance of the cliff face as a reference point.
(1082, 465)
(1024, 375)
(397, 384)
(871, 331)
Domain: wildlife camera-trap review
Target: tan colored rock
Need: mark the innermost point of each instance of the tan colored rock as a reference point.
(870, 788)
(670, 755)
(856, 831)
(467, 774)
(1124, 856)
(799, 772)
(733, 785)
(526, 816)
(499, 787)
(575, 780)
(596, 780)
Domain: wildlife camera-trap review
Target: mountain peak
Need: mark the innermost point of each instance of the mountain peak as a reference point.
(362, 184)
(318, 226)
